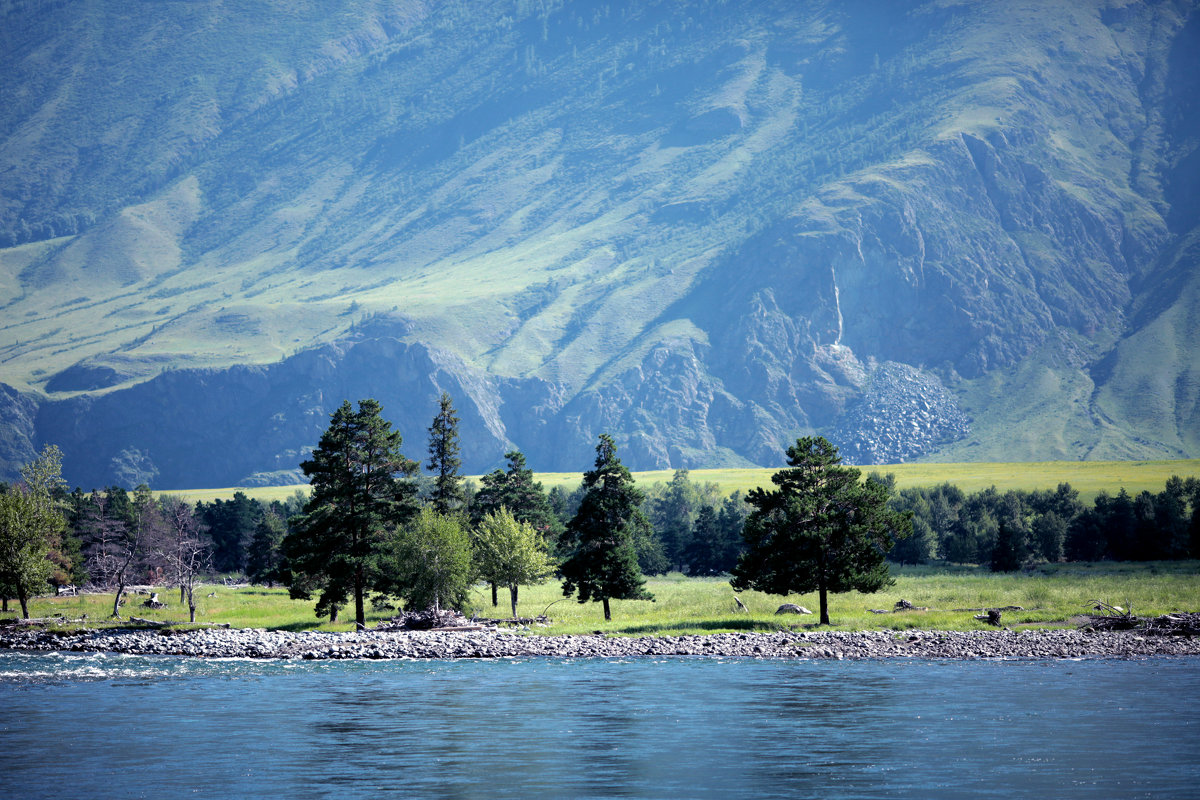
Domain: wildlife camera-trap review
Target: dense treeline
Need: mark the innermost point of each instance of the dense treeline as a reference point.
(693, 527)
(1008, 529)
(423, 538)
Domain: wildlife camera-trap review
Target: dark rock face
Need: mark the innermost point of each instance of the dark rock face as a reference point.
(229, 427)
(251, 426)
(17, 433)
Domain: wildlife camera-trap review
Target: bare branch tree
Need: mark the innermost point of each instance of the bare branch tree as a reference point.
(180, 548)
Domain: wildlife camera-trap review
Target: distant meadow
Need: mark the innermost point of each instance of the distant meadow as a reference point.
(1089, 478)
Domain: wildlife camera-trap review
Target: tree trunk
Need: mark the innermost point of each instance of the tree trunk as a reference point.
(360, 614)
(333, 613)
(512, 590)
(5, 599)
(21, 596)
(191, 600)
(824, 606)
(117, 600)
(495, 599)
(607, 612)
(181, 595)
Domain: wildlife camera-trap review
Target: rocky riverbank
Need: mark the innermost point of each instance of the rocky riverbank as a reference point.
(499, 643)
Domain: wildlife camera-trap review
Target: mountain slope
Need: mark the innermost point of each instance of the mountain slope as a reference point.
(705, 227)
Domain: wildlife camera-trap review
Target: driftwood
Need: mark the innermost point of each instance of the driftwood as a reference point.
(992, 617)
(1175, 624)
(170, 623)
(904, 605)
(42, 620)
(1110, 618)
(426, 621)
(1116, 618)
(998, 608)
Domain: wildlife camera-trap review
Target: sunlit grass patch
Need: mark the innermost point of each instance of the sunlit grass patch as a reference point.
(951, 598)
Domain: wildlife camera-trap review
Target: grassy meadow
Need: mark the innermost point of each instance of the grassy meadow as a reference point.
(1051, 596)
(1088, 477)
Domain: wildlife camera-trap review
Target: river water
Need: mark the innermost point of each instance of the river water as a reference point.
(77, 725)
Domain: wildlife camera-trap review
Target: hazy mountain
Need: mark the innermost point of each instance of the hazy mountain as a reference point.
(928, 229)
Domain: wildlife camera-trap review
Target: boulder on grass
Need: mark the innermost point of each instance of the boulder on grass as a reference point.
(792, 608)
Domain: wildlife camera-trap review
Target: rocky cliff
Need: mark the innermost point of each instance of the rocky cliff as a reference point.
(927, 230)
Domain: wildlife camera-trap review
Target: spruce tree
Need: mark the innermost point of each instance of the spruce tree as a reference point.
(823, 529)
(362, 488)
(602, 562)
(444, 460)
(516, 490)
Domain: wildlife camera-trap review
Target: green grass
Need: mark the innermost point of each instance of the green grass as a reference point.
(1088, 477)
(1051, 596)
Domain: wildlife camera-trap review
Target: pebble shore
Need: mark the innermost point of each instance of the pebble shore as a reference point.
(502, 643)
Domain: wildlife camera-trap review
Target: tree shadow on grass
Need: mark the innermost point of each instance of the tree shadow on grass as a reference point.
(296, 627)
(753, 625)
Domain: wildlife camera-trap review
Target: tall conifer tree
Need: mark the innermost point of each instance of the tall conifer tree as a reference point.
(600, 538)
(822, 529)
(362, 488)
(444, 460)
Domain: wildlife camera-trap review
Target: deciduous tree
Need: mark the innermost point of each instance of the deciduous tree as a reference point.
(181, 549)
(516, 490)
(822, 529)
(431, 564)
(31, 524)
(510, 553)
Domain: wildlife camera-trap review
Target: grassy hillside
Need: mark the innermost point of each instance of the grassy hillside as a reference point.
(699, 224)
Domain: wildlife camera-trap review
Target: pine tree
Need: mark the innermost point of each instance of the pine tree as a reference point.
(600, 537)
(1010, 550)
(444, 460)
(516, 490)
(262, 556)
(362, 488)
(823, 529)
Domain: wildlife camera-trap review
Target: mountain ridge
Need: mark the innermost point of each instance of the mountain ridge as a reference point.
(706, 228)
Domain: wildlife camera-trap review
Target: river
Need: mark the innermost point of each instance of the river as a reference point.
(100, 726)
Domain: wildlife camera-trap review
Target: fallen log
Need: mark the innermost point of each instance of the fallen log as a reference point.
(42, 621)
